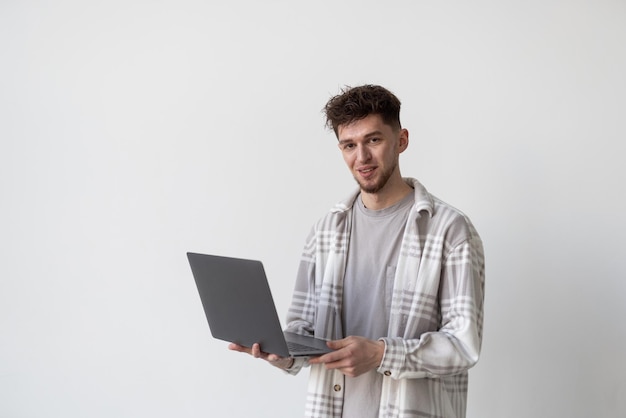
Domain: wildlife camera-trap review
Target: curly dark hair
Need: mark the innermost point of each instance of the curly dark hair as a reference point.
(355, 103)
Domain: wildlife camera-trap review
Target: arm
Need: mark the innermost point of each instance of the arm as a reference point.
(451, 349)
(455, 346)
(301, 313)
(353, 356)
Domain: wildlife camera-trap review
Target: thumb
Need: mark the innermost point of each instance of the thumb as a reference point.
(337, 344)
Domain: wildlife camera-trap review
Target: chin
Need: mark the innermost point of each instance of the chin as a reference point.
(370, 188)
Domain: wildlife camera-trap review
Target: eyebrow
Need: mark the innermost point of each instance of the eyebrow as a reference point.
(367, 135)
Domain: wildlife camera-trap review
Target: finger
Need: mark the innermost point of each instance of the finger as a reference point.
(316, 360)
(341, 365)
(273, 357)
(256, 350)
(328, 358)
(325, 358)
(239, 348)
(337, 344)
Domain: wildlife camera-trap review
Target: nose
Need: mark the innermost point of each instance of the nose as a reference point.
(362, 153)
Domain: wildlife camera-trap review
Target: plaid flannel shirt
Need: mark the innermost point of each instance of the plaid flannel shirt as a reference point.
(435, 327)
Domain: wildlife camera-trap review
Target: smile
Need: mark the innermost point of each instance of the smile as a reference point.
(366, 173)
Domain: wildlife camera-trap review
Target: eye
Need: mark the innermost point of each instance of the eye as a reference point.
(375, 140)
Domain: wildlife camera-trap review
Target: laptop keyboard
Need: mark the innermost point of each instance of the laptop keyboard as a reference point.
(299, 348)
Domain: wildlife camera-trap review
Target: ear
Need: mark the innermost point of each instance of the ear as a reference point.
(403, 140)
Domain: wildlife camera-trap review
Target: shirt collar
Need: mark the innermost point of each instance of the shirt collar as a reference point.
(423, 199)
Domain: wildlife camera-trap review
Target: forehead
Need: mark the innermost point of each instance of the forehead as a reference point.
(361, 128)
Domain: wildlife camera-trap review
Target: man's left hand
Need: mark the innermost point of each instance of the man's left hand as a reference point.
(353, 355)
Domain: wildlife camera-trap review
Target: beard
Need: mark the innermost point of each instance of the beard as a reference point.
(379, 182)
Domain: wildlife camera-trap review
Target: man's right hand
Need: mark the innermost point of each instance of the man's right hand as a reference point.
(273, 359)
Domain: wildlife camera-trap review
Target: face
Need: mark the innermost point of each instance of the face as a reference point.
(371, 151)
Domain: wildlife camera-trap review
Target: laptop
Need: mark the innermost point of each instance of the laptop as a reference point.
(239, 306)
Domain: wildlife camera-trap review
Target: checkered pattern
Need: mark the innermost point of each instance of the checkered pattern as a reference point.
(436, 318)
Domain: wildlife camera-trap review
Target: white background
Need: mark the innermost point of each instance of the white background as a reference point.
(134, 131)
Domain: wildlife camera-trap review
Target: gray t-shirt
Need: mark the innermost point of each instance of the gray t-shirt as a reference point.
(372, 258)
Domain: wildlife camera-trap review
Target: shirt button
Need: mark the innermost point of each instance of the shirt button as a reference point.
(337, 388)
(387, 373)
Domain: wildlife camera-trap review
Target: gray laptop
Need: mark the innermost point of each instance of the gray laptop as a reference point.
(239, 306)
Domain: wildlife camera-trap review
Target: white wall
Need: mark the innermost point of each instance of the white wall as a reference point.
(134, 131)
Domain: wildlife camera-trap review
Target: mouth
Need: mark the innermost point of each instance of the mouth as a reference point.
(366, 172)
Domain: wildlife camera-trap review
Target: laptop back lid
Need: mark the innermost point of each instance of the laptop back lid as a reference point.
(237, 301)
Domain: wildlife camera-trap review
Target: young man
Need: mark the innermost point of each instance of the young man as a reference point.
(392, 276)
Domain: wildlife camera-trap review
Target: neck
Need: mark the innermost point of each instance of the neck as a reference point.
(394, 191)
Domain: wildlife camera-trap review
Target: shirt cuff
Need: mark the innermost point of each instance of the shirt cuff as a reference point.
(298, 364)
(393, 357)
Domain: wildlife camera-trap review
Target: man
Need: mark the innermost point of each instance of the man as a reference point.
(393, 277)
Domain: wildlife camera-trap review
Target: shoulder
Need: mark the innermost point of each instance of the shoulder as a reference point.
(450, 223)
(333, 220)
(338, 216)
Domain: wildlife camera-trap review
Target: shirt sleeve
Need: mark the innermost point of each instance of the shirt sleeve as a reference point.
(301, 314)
(298, 364)
(455, 346)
